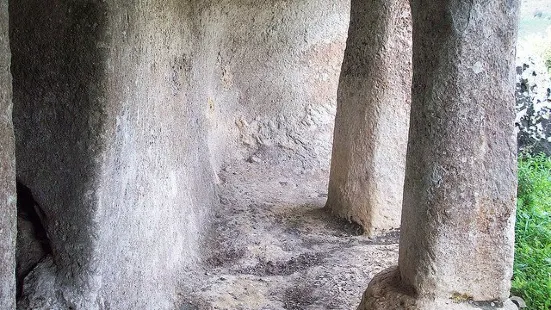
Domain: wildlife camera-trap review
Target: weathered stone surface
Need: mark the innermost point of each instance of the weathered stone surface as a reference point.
(58, 120)
(371, 127)
(127, 111)
(270, 72)
(7, 171)
(457, 235)
(29, 251)
(387, 291)
(112, 142)
(41, 281)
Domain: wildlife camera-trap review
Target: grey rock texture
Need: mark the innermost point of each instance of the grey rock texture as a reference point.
(112, 142)
(42, 282)
(33, 243)
(29, 250)
(158, 183)
(270, 75)
(58, 117)
(273, 246)
(457, 235)
(372, 120)
(7, 171)
(125, 111)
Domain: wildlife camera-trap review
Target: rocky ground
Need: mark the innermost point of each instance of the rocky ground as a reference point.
(274, 247)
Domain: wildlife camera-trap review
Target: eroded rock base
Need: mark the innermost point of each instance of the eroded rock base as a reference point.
(386, 291)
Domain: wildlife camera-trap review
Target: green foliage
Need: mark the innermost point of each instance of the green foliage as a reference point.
(547, 58)
(532, 269)
(545, 50)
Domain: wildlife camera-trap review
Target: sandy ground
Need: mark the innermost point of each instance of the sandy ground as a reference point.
(274, 247)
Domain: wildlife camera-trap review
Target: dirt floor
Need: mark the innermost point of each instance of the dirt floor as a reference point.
(274, 247)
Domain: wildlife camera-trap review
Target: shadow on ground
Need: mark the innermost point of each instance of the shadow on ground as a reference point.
(273, 246)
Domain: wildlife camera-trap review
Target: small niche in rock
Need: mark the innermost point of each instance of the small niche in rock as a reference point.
(32, 238)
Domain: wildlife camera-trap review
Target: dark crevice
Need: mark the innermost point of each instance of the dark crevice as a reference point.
(33, 243)
(29, 210)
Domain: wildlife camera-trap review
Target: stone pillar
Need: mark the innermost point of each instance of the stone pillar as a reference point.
(7, 171)
(371, 125)
(457, 236)
(112, 142)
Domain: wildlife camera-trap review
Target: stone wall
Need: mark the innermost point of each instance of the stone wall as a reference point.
(112, 142)
(272, 71)
(7, 171)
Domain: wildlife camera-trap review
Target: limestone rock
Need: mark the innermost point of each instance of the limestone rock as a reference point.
(273, 69)
(112, 141)
(458, 215)
(7, 170)
(372, 120)
(130, 109)
(387, 291)
(42, 282)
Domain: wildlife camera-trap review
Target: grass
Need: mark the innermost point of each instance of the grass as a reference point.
(532, 269)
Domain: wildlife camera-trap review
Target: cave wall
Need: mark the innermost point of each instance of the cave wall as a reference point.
(59, 119)
(273, 69)
(7, 170)
(112, 142)
(157, 185)
(124, 113)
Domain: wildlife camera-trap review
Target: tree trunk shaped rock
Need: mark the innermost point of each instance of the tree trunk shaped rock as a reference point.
(371, 126)
(457, 236)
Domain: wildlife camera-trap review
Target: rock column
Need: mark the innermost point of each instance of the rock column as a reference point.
(111, 137)
(457, 237)
(7, 171)
(370, 139)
